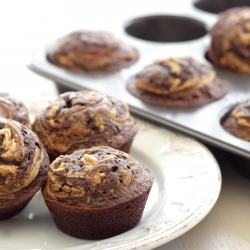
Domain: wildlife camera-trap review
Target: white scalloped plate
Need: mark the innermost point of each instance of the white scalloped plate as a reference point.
(187, 185)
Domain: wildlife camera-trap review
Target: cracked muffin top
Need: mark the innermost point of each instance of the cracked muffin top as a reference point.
(83, 119)
(177, 82)
(97, 177)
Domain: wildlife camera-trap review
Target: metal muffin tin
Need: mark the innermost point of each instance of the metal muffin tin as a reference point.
(183, 29)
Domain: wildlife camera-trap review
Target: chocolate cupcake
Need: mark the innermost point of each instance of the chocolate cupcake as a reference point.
(237, 122)
(97, 193)
(177, 82)
(91, 52)
(11, 108)
(23, 167)
(83, 119)
(230, 40)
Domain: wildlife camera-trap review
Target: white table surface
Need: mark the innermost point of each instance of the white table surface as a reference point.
(26, 24)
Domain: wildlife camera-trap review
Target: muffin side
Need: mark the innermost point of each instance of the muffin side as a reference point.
(23, 167)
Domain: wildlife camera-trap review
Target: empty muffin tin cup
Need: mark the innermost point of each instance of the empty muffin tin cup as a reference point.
(166, 28)
(217, 6)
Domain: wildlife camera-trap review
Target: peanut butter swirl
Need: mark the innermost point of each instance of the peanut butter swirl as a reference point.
(177, 82)
(21, 156)
(83, 119)
(92, 51)
(238, 122)
(11, 108)
(231, 40)
(96, 177)
(174, 76)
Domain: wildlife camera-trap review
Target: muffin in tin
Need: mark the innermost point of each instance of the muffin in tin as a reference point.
(177, 82)
(230, 40)
(87, 51)
(237, 122)
(12, 108)
(97, 193)
(24, 165)
(83, 119)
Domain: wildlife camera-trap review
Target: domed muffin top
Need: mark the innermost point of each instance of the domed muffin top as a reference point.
(98, 177)
(231, 40)
(237, 122)
(11, 108)
(242, 115)
(174, 75)
(83, 119)
(91, 51)
(21, 155)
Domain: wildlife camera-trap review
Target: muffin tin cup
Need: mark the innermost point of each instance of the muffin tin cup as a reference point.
(166, 28)
(203, 122)
(217, 6)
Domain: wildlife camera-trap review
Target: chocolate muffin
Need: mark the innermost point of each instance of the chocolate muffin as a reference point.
(23, 167)
(230, 40)
(11, 108)
(88, 51)
(97, 193)
(177, 82)
(237, 122)
(83, 119)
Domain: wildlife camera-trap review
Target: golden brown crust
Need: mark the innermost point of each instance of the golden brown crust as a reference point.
(238, 121)
(231, 40)
(177, 82)
(99, 177)
(11, 108)
(92, 52)
(83, 119)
